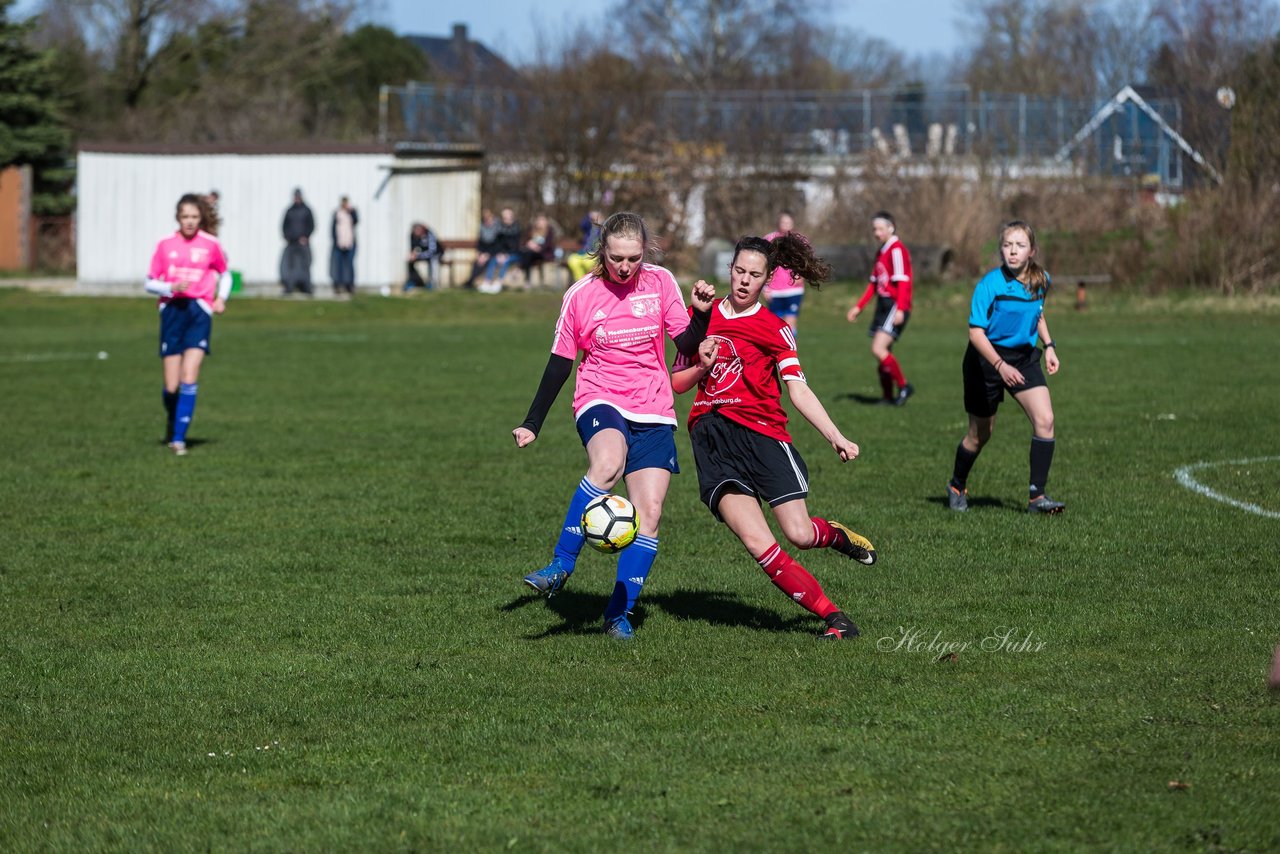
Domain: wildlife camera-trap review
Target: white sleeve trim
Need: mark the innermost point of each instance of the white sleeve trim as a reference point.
(224, 286)
(159, 287)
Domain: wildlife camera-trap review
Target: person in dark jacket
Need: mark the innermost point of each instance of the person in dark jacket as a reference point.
(424, 247)
(506, 251)
(295, 263)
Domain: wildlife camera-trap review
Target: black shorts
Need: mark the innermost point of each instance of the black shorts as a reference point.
(732, 458)
(883, 320)
(983, 388)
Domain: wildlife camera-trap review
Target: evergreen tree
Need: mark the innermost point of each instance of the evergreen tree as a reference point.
(32, 130)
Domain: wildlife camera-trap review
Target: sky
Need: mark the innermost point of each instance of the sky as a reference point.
(915, 27)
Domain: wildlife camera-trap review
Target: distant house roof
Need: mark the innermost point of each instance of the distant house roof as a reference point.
(458, 60)
(1128, 95)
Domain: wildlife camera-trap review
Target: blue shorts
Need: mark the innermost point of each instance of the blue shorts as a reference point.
(786, 306)
(184, 325)
(649, 446)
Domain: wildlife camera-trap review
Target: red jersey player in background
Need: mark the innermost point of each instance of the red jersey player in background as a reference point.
(738, 428)
(891, 285)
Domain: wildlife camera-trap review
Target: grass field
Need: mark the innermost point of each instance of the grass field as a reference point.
(310, 633)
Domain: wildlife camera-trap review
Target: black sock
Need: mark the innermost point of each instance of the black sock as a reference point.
(1041, 459)
(965, 459)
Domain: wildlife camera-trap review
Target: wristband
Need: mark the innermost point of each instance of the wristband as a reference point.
(1051, 344)
(998, 363)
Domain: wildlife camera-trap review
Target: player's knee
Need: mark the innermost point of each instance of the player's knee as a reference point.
(801, 537)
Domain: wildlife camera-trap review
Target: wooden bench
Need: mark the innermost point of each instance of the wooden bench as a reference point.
(457, 254)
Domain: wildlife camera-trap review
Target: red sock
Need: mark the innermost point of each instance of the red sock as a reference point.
(886, 383)
(823, 534)
(890, 365)
(795, 581)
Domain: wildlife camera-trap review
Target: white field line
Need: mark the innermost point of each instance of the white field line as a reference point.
(19, 358)
(1184, 476)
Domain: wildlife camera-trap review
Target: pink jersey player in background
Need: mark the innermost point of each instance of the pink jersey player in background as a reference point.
(784, 291)
(738, 428)
(189, 274)
(618, 317)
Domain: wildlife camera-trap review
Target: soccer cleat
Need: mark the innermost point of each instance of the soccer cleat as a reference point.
(853, 545)
(957, 499)
(903, 393)
(179, 448)
(1046, 505)
(839, 627)
(619, 628)
(549, 580)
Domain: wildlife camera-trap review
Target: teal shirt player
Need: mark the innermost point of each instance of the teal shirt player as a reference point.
(1005, 310)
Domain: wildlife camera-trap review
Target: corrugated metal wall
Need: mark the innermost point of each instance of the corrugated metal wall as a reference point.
(127, 203)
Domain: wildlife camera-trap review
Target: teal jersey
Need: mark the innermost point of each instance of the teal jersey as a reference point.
(1004, 309)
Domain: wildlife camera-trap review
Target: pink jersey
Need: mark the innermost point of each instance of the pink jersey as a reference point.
(619, 330)
(198, 262)
(783, 283)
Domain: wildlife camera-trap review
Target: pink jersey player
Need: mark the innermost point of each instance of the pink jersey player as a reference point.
(191, 266)
(618, 317)
(621, 331)
(189, 273)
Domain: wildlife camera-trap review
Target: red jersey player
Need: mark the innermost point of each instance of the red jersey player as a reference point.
(891, 285)
(738, 428)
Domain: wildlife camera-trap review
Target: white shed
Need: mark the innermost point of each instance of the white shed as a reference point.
(128, 196)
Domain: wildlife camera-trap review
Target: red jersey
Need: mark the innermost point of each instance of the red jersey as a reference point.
(756, 347)
(891, 275)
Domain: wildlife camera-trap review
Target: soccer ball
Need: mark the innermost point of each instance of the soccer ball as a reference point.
(610, 523)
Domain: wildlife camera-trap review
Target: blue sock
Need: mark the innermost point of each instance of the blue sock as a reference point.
(571, 539)
(185, 408)
(633, 568)
(170, 408)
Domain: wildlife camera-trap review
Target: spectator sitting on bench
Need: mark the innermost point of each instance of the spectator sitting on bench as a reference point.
(424, 247)
(486, 245)
(581, 262)
(539, 246)
(506, 250)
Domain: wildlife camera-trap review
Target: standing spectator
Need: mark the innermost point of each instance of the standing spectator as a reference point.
(295, 263)
(539, 246)
(189, 273)
(891, 285)
(486, 245)
(424, 248)
(622, 400)
(506, 250)
(581, 262)
(342, 260)
(785, 290)
(1006, 317)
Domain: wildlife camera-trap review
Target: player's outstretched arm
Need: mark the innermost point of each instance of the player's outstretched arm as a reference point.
(683, 380)
(807, 403)
(553, 379)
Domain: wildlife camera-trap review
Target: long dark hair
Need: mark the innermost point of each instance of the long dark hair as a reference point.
(1033, 277)
(206, 219)
(790, 251)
